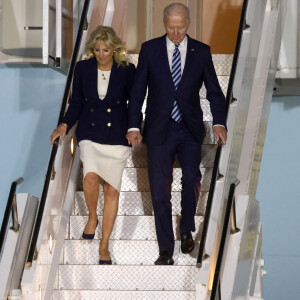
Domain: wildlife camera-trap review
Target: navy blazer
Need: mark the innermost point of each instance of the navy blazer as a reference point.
(153, 71)
(101, 121)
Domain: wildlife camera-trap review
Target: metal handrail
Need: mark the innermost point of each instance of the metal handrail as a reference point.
(11, 207)
(229, 98)
(37, 225)
(216, 288)
(201, 253)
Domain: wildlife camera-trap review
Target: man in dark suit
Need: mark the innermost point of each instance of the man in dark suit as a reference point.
(174, 67)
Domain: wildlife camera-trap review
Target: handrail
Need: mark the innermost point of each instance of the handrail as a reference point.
(229, 98)
(37, 225)
(201, 252)
(11, 206)
(216, 282)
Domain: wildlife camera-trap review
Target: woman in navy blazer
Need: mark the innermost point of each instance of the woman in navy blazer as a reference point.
(101, 87)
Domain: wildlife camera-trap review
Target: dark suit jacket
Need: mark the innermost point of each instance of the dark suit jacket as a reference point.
(154, 71)
(102, 121)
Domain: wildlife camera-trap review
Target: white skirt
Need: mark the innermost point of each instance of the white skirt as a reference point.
(107, 161)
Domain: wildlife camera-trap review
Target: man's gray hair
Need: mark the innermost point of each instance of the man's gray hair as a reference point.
(176, 9)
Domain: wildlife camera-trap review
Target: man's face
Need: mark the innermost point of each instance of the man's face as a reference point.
(176, 27)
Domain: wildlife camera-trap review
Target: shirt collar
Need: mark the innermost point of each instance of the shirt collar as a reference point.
(170, 44)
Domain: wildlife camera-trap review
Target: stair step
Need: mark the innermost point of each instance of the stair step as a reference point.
(123, 295)
(138, 159)
(223, 81)
(127, 278)
(129, 227)
(222, 63)
(136, 204)
(136, 179)
(126, 252)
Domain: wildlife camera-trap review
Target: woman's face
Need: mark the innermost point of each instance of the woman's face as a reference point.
(103, 54)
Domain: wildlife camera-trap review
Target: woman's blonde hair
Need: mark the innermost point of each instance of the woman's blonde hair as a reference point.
(112, 41)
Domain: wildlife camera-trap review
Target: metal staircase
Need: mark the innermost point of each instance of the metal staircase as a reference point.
(133, 243)
(67, 267)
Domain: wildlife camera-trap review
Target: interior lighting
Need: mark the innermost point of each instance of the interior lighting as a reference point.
(40, 293)
(50, 244)
(211, 273)
(72, 146)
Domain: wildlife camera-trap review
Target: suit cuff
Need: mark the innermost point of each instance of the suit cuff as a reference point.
(216, 125)
(133, 129)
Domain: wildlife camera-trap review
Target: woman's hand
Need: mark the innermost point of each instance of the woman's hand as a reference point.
(60, 131)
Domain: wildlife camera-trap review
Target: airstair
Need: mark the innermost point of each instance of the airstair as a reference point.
(226, 262)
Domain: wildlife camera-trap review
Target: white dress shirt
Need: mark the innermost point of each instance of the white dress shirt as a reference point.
(182, 49)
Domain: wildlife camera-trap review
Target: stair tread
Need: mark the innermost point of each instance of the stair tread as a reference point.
(136, 203)
(125, 252)
(129, 227)
(138, 157)
(90, 277)
(121, 295)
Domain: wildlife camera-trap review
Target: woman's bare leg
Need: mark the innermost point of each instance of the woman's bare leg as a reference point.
(110, 210)
(91, 194)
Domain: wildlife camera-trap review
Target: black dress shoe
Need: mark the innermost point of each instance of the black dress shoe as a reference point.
(164, 260)
(187, 243)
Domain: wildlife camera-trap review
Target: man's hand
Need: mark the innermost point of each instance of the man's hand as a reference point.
(134, 138)
(221, 134)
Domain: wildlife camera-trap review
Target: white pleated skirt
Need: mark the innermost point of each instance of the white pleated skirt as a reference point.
(107, 161)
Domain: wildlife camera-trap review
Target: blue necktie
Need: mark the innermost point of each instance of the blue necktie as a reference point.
(176, 75)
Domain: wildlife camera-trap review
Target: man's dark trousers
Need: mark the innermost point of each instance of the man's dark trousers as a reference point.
(179, 142)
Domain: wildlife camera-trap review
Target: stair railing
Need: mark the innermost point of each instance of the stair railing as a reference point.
(50, 170)
(230, 218)
(215, 175)
(11, 207)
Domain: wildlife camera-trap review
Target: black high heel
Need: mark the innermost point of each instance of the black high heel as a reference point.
(105, 262)
(89, 236)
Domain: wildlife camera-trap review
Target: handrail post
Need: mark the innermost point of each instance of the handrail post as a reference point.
(202, 254)
(14, 212)
(216, 289)
(234, 228)
(219, 297)
(11, 206)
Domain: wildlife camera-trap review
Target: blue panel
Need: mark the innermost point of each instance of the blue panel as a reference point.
(279, 196)
(282, 280)
(29, 107)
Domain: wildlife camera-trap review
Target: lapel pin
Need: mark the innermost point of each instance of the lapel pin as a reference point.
(192, 49)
